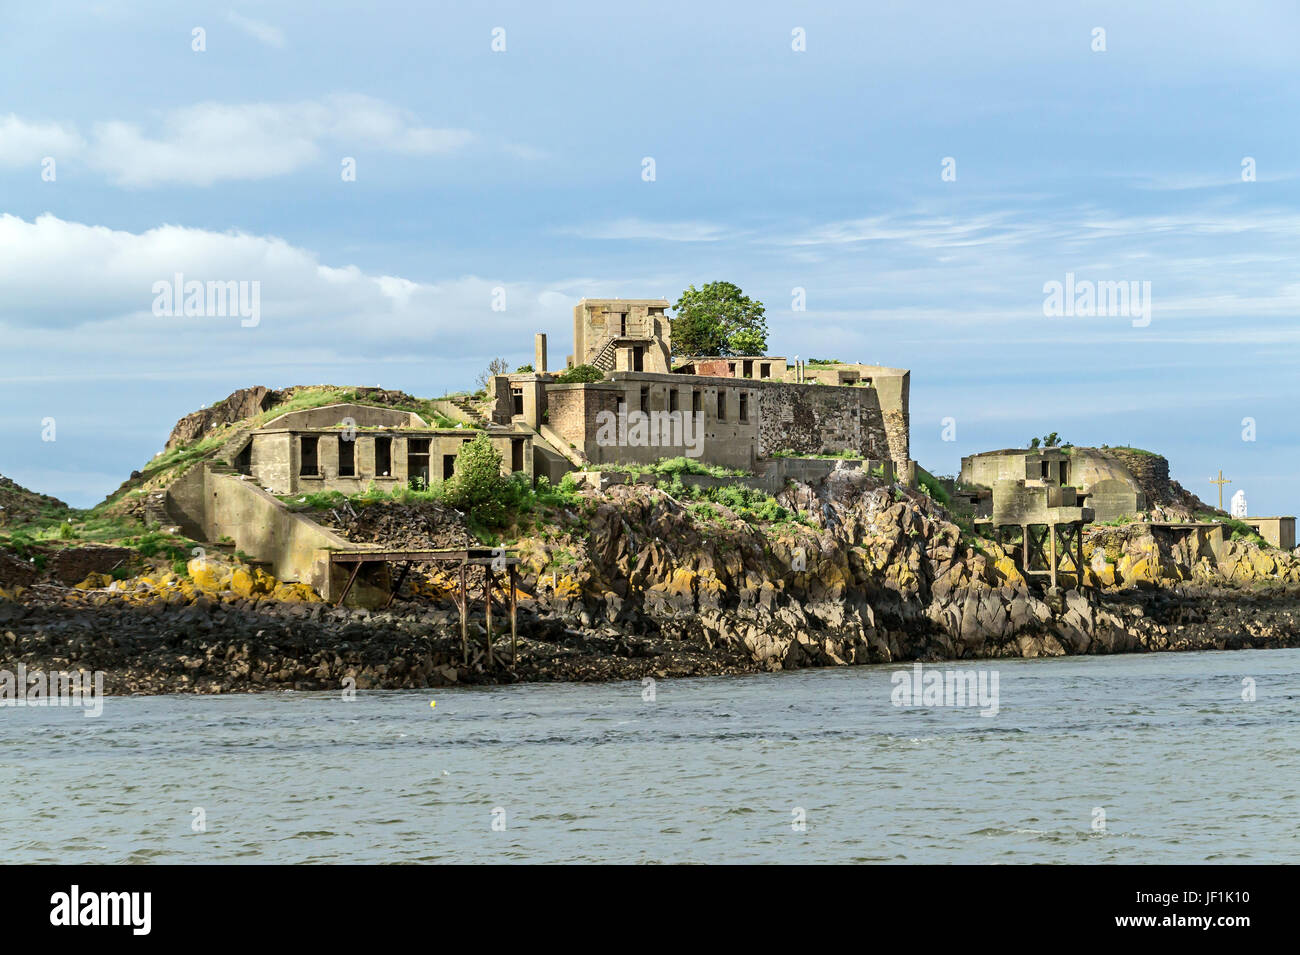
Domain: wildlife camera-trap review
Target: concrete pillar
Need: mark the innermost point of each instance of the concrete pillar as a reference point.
(539, 352)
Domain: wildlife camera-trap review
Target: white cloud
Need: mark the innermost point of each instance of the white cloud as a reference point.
(29, 142)
(258, 30)
(211, 142)
(312, 313)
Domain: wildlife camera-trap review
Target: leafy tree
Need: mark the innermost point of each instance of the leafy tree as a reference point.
(1034, 443)
(718, 319)
(580, 373)
(523, 369)
(477, 486)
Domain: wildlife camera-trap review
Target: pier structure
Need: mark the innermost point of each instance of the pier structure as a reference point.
(493, 560)
(1042, 524)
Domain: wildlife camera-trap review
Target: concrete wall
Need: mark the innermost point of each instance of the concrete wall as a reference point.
(805, 419)
(576, 412)
(330, 416)
(1112, 499)
(1278, 531)
(220, 504)
(276, 460)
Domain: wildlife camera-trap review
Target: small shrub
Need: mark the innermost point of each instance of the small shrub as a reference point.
(580, 374)
(477, 487)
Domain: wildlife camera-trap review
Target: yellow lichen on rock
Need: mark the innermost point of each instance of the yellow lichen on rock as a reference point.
(295, 593)
(208, 575)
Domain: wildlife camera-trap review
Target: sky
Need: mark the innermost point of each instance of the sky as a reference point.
(922, 171)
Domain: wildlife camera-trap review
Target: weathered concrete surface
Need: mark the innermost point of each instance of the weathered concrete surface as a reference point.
(218, 504)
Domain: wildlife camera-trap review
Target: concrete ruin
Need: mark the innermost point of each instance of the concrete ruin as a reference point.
(1098, 479)
(351, 447)
(729, 411)
(1278, 531)
(756, 414)
(621, 334)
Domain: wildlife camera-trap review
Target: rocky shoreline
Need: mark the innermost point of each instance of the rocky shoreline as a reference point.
(632, 583)
(206, 646)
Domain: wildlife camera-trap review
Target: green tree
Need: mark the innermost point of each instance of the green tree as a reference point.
(718, 319)
(477, 486)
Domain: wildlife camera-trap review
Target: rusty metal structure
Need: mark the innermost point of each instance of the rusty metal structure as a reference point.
(493, 560)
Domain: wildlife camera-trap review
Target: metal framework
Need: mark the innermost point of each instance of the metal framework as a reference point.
(1045, 549)
(491, 560)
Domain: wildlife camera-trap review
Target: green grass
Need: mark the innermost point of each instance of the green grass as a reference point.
(673, 466)
(932, 486)
(846, 455)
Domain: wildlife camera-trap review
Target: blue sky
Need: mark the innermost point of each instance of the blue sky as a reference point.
(774, 169)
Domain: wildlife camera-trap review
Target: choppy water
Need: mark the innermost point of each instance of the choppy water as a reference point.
(712, 770)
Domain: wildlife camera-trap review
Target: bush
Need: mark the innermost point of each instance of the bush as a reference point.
(477, 486)
(581, 373)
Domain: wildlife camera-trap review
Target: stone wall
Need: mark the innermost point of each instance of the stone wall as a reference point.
(817, 419)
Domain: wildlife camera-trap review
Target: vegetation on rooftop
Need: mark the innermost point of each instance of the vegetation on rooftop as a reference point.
(579, 374)
(718, 319)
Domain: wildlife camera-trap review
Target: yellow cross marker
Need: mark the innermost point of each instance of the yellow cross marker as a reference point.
(1221, 480)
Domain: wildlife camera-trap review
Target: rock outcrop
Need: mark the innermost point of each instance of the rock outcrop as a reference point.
(631, 582)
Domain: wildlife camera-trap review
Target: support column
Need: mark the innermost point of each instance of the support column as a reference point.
(401, 579)
(464, 612)
(514, 629)
(487, 596)
(1079, 550)
(356, 568)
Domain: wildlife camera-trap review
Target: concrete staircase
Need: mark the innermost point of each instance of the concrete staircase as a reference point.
(469, 407)
(607, 357)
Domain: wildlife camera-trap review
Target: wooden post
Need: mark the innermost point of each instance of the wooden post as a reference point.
(1051, 556)
(401, 579)
(1024, 548)
(487, 596)
(514, 630)
(1079, 551)
(464, 613)
(356, 567)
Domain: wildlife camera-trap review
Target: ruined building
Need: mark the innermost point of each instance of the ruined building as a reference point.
(736, 412)
(1099, 480)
